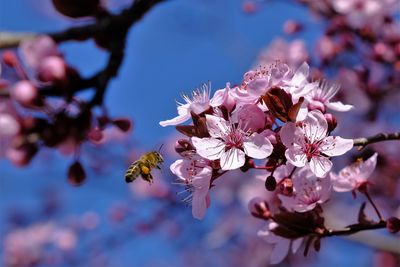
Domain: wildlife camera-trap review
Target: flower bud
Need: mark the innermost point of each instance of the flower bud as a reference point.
(25, 93)
(123, 124)
(292, 27)
(95, 135)
(286, 187)
(52, 69)
(259, 208)
(332, 122)
(10, 58)
(393, 225)
(270, 183)
(183, 145)
(76, 174)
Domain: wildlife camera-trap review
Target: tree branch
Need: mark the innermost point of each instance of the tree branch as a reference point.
(364, 141)
(355, 228)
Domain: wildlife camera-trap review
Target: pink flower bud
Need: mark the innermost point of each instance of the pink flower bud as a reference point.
(123, 124)
(332, 122)
(393, 225)
(291, 27)
(25, 93)
(286, 187)
(95, 135)
(259, 208)
(51, 69)
(183, 145)
(249, 7)
(10, 58)
(76, 174)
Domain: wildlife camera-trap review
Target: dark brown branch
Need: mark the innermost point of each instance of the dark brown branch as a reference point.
(108, 31)
(364, 141)
(355, 228)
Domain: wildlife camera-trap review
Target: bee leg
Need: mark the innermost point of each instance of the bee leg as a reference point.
(147, 177)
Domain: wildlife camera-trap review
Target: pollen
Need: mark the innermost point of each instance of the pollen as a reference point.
(145, 170)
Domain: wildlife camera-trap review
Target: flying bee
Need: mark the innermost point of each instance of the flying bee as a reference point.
(143, 167)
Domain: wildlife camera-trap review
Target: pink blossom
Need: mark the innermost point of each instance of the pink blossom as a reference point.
(307, 143)
(198, 103)
(230, 144)
(194, 173)
(354, 175)
(308, 191)
(280, 245)
(361, 13)
(292, 53)
(321, 95)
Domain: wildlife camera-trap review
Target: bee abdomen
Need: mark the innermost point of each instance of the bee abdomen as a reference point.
(132, 173)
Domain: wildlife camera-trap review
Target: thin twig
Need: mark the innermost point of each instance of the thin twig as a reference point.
(364, 141)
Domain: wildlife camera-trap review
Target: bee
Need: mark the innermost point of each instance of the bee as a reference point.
(143, 167)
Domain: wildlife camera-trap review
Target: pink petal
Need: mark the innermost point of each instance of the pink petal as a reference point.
(296, 244)
(180, 167)
(339, 106)
(257, 146)
(315, 126)
(287, 134)
(301, 75)
(340, 184)
(279, 251)
(209, 148)
(296, 156)
(368, 166)
(183, 116)
(219, 97)
(320, 166)
(199, 206)
(231, 159)
(217, 126)
(335, 146)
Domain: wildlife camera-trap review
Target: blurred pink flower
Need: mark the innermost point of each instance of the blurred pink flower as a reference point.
(230, 144)
(291, 53)
(307, 143)
(250, 116)
(354, 175)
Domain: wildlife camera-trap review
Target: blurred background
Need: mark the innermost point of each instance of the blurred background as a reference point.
(105, 222)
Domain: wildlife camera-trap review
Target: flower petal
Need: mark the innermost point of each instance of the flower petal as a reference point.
(175, 121)
(209, 148)
(257, 146)
(217, 126)
(368, 166)
(296, 156)
(296, 244)
(320, 166)
(339, 106)
(340, 184)
(315, 126)
(287, 134)
(335, 146)
(231, 159)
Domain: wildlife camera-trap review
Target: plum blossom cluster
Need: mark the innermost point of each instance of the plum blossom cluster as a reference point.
(276, 115)
(30, 119)
(277, 122)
